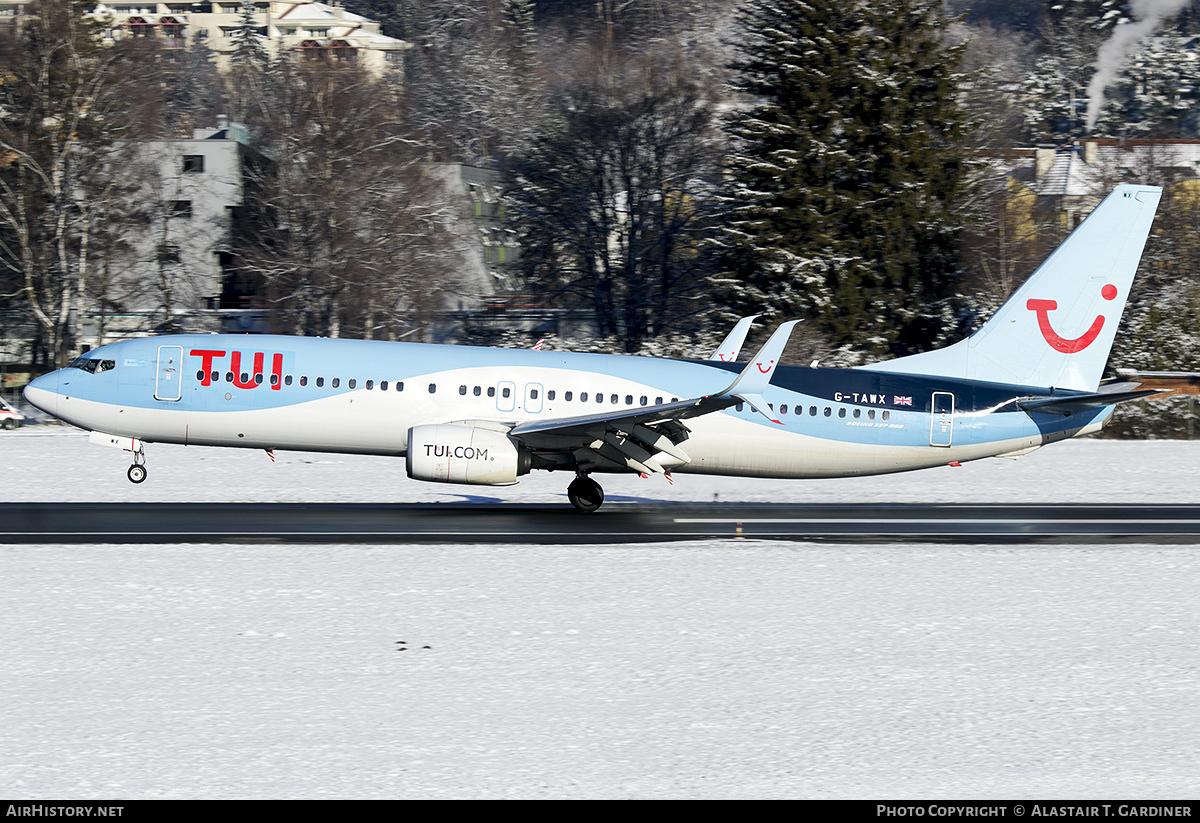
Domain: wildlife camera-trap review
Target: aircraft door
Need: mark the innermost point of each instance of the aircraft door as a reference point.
(506, 396)
(941, 423)
(168, 382)
(533, 397)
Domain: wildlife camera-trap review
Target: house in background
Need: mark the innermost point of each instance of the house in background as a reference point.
(172, 262)
(312, 29)
(1070, 180)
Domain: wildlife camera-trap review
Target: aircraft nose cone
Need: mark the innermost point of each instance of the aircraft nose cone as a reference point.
(42, 393)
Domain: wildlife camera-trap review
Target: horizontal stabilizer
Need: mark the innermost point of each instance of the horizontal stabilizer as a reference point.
(1070, 404)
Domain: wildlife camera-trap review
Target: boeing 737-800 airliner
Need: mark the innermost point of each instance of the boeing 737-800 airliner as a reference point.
(1028, 377)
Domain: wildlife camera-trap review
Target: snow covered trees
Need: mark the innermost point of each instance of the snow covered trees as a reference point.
(64, 101)
(346, 229)
(847, 166)
(612, 201)
(471, 81)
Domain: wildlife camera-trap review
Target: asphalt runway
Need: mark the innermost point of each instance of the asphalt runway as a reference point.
(615, 523)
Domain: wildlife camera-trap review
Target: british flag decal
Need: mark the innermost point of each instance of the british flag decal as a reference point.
(897, 400)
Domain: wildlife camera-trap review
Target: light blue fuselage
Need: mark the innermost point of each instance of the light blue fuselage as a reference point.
(357, 396)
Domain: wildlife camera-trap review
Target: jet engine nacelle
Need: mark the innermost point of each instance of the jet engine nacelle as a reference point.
(465, 454)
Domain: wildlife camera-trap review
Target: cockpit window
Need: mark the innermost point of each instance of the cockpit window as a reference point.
(93, 366)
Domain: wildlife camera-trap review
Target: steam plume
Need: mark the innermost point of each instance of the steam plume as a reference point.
(1111, 57)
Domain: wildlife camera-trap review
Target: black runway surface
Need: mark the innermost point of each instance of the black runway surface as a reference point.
(618, 522)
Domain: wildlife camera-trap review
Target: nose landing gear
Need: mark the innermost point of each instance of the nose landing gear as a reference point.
(585, 494)
(137, 472)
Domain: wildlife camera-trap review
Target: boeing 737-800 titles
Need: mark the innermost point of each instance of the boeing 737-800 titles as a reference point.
(1030, 376)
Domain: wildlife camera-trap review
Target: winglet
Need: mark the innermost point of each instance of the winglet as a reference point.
(755, 378)
(758, 404)
(731, 346)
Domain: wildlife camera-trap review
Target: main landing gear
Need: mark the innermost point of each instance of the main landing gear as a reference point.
(585, 493)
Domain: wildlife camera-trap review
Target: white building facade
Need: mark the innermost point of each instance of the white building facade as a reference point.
(315, 29)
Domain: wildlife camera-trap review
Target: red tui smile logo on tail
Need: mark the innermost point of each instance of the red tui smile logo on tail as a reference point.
(1062, 344)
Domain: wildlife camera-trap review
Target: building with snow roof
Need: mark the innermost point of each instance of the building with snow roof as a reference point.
(1073, 178)
(309, 29)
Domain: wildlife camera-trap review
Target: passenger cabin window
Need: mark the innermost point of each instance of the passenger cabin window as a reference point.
(337, 381)
(320, 382)
(352, 382)
(433, 388)
(304, 380)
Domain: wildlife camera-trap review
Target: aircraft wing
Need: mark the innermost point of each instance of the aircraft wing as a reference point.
(636, 416)
(647, 438)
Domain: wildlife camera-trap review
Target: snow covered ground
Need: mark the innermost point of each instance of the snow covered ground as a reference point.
(706, 669)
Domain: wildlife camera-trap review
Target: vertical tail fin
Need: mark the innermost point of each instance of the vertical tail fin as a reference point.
(1059, 326)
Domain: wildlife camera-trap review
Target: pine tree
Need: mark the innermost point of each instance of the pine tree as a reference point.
(847, 167)
(1155, 94)
(248, 63)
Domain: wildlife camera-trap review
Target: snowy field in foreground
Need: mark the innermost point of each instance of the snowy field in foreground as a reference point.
(706, 669)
